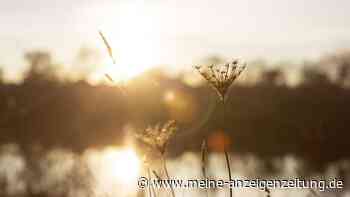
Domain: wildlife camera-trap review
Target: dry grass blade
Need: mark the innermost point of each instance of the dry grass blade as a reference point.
(109, 77)
(108, 46)
(121, 88)
(229, 170)
(110, 52)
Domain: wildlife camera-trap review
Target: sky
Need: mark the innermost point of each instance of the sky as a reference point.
(177, 33)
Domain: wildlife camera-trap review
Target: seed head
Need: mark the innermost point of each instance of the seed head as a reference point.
(221, 76)
(158, 136)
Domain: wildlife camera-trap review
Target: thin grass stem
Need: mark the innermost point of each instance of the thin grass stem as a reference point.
(167, 174)
(229, 170)
(204, 154)
(149, 185)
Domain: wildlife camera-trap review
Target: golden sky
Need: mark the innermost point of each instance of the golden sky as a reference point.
(176, 33)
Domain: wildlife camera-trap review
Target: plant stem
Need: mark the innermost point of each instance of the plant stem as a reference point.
(229, 170)
(167, 175)
(149, 179)
(204, 162)
(268, 192)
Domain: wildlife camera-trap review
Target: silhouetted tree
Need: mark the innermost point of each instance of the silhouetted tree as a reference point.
(41, 67)
(312, 76)
(343, 73)
(273, 77)
(342, 63)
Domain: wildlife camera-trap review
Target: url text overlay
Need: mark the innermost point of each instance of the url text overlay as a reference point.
(262, 184)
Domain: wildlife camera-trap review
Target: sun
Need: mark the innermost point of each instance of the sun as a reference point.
(133, 34)
(122, 165)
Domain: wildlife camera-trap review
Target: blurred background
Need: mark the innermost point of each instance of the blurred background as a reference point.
(66, 130)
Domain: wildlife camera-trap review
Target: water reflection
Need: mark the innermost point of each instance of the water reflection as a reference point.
(12, 166)
(113, 172)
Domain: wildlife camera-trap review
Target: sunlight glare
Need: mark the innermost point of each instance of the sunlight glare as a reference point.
(122, 165)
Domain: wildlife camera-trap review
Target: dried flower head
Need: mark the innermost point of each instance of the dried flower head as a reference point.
(158, 136)
(221, 76)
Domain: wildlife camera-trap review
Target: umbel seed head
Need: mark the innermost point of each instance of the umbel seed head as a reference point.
(221, 76)
(158, 136)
